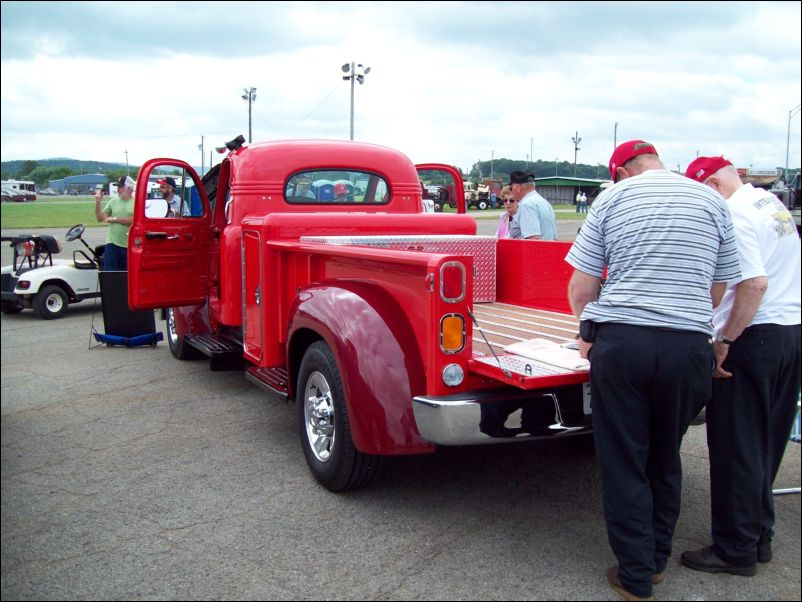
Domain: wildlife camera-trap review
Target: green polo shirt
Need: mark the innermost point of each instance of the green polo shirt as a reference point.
(117, 207)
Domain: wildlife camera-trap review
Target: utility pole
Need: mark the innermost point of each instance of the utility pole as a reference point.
(203, 156)
(576, 140)
(351, 69)
(531, 156)
(249, 96)
(791, 113)
(491, 164)
(615, 136)
(127, 169)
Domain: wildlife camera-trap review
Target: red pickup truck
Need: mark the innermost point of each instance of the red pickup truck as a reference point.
(311, 265)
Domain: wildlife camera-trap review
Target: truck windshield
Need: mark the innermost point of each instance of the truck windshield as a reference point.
(337, 187)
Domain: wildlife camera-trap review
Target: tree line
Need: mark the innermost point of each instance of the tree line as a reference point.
(41, 173)
(501, 168)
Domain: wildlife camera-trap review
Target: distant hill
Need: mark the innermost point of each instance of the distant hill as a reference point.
(76, 165)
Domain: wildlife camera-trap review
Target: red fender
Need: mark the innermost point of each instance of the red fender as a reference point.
(377, 355)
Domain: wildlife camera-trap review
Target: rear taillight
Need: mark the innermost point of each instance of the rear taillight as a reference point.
(452, 282)
(452, 333)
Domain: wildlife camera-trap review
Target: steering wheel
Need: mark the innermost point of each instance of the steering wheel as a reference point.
(75, 232)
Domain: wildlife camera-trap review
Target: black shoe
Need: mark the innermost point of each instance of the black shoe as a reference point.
(764, 553)
(707, 561)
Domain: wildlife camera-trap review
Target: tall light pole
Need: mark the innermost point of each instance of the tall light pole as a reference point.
(250, 96)
(203, 157)
(356, 72)
(491, 164)
(576, 140)
(791, 113)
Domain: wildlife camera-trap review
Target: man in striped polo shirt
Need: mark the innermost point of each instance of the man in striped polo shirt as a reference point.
(664, 241)
(756, 381)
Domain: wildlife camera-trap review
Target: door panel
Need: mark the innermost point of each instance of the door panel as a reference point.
(168, 257)
(253, 294)
(443, 184)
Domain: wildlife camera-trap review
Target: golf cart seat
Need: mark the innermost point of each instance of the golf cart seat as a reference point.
(47, 243)
(34, 250)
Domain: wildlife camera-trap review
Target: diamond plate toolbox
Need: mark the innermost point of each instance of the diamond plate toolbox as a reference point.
(481, 248)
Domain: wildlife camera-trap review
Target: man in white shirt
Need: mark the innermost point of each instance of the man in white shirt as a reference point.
(756, 381)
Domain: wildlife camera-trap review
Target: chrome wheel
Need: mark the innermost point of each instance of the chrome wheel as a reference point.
(319, 416)
(171, 332)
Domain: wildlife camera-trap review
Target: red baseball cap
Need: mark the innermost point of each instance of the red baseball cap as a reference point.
(702, 168)
(626, 151)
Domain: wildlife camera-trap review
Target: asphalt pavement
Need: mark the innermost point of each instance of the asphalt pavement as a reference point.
(128, 475)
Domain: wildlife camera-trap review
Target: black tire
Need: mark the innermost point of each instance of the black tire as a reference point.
(10, 308)
(50, 302)
(438, 207)
(180, 349)
(481, 204)
(324, 425)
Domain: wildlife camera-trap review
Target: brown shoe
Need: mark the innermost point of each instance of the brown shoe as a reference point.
(615, 583)
(657, 578)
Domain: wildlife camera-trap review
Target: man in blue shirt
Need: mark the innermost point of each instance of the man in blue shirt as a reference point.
(535, 218)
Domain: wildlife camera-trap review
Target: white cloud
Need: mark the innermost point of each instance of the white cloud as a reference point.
(450, 82)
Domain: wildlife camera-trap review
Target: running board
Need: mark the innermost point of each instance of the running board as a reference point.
(223, 354)
(273, 380)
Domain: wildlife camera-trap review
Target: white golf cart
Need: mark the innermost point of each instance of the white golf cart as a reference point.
(46, 285)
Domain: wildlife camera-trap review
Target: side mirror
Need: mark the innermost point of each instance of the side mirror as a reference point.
(155, 208)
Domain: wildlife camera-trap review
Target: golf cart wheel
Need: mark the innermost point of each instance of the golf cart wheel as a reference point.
(482, 204)
(10, 308)
(324, 425)
(50, 302)
(180, 349)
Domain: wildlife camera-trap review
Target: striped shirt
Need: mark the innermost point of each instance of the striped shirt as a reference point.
(664, 240)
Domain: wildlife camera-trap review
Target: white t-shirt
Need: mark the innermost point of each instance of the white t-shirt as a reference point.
(768, 245)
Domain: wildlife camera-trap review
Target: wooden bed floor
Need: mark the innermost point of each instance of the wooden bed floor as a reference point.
(505, 324)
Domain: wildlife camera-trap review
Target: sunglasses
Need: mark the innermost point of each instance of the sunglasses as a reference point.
(510, 201)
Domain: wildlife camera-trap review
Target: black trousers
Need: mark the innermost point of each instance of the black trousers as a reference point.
(749, 420)
(647, 384)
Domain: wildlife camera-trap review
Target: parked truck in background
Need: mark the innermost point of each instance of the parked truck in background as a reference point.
(387, 326)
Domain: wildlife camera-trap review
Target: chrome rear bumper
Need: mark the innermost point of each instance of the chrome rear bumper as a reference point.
(500, 416)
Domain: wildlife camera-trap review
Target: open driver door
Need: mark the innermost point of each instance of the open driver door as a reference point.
(168, 250)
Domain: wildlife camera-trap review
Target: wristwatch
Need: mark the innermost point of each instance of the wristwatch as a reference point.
(720, 338)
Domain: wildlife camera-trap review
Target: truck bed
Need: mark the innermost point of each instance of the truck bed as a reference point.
(503, 324)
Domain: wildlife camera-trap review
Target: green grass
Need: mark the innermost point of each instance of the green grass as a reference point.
(50, 212)
(67, 211)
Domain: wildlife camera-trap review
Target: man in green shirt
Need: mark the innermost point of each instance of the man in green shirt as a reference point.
(118, 213)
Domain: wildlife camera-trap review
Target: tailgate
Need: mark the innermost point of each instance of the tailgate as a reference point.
(504, 324)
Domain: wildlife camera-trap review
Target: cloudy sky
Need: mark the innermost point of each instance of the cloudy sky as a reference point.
(450, 82)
